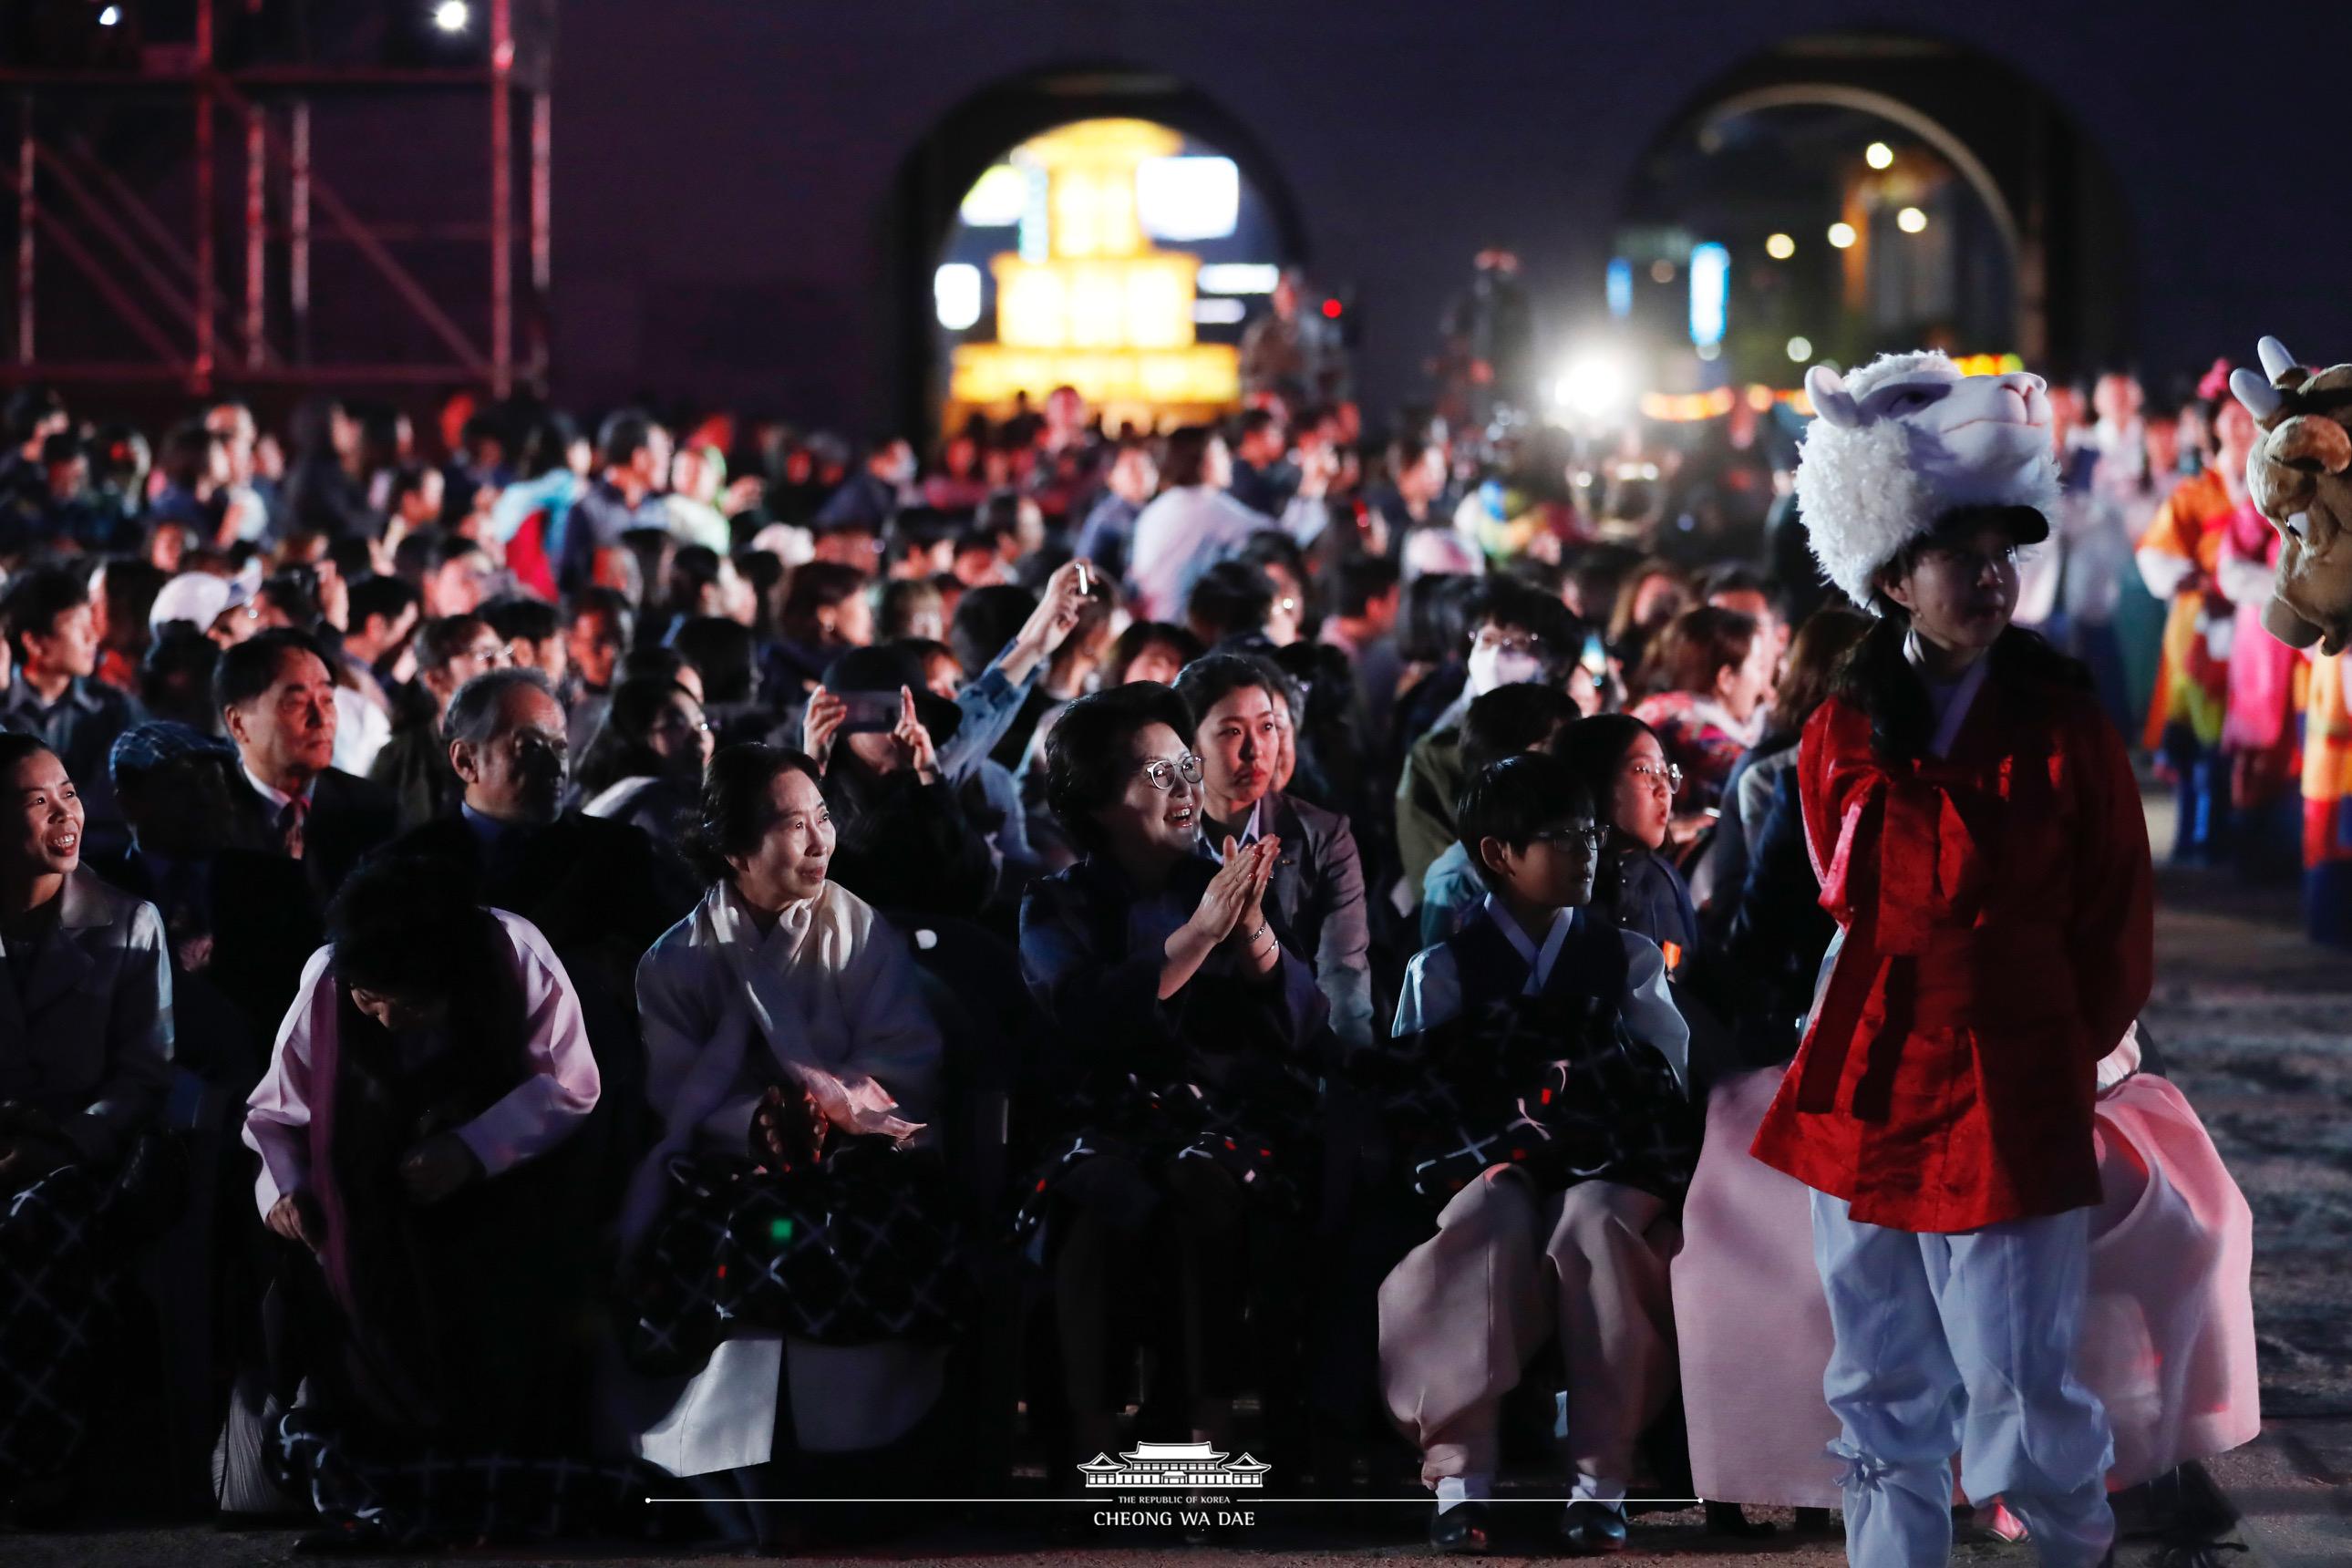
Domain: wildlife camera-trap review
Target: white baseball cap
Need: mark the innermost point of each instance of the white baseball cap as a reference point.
(198, 597)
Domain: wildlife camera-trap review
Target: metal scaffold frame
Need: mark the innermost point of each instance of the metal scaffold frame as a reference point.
(165, 286)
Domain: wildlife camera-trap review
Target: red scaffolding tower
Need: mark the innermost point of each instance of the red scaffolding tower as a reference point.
(163, 283)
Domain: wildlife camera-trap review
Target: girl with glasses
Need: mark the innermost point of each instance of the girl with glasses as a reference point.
(1622, 761)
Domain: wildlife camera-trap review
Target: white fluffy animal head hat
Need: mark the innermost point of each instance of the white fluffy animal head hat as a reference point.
(1904, 442)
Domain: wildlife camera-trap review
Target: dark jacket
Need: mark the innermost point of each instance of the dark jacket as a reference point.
(258, 911)
(903, 846)
(349, 816)
(1316, 904)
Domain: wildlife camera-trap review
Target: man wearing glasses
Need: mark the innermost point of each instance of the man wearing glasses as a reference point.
(1518, 633)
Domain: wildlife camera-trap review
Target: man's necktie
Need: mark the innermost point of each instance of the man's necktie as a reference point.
(289, 826)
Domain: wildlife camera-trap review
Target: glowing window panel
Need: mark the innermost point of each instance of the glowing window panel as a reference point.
(1188, 198)
(1710, 293)
(1239, 277)
(997, 199)
(955, 295)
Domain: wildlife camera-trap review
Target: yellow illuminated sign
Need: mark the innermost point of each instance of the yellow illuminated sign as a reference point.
(1105, 312)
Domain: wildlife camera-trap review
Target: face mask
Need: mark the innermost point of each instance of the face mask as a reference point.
(1492, 666)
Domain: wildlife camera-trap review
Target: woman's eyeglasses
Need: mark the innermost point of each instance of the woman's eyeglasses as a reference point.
(1654, 774)
(1589, 840)
(1164, 773)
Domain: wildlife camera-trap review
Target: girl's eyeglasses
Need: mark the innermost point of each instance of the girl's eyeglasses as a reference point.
(1164, 773)
(1652, 775)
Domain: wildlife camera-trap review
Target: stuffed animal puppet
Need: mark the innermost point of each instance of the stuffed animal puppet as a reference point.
(2299, 474)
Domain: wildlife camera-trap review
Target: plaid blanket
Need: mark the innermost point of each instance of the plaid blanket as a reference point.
(429, 1497)
(63, 1243)
(1524, 1080)
(1151, 1124)
(863, 1245)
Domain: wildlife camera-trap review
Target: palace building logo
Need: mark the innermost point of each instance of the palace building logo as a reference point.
(1177, 1467)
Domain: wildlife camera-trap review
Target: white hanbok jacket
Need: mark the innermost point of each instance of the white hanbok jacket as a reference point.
(826, 998)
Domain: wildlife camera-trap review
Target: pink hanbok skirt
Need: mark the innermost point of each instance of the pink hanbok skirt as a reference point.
(2167, 1343)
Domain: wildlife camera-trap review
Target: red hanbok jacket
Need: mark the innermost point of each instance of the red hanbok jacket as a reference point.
(1997, 930)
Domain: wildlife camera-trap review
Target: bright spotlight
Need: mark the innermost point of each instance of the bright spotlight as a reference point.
(1842, 234)
(110, 17)
(1800, 349)
(451, 15)
(1592, 385)
(1911, 220)
(1779, 248)
(1878, 156)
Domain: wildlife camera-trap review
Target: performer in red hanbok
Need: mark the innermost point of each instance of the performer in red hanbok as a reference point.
(1977, 833)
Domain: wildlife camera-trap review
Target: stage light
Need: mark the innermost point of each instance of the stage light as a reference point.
(955, 295)
(1842, 234)
(1593, 385)
(110, 17)
(1878, 156)
(1662, 272)
(1800, 349)
(1710, 352)
(451, 15)
(1911, 220)
(1621, 287)
(1332, 310)
(1779, 248)
(1225, 312)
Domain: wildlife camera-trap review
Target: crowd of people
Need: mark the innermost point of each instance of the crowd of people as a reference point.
(709, 948)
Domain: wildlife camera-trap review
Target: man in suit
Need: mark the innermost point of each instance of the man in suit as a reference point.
(277, 703)
(588, 884)
(240, 923)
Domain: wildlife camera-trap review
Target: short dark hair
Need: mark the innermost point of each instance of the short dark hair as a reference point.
(724, 653)
(1206, 682)
(899, 598)
(377, 596)
(816, 585)
(734, 813)
(620, 748)
(408, 480)
(1513, 799)
(1085, 753)
(623, 435)
(35, 601)
(1140, 637)
(922, 528)
(1186, 456)
(16, 748)
(1231, 599)
(445, 637)
(250, 668)
(607, 601)
(448, 547)
(1508, 602)
(175, 677)
(402, 924)
(1362, 579)
(654, 663)
(1513, 719)
(985, 620)
(473, 712)
(524, 620)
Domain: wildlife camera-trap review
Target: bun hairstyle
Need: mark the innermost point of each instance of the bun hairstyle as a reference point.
(737, 808)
